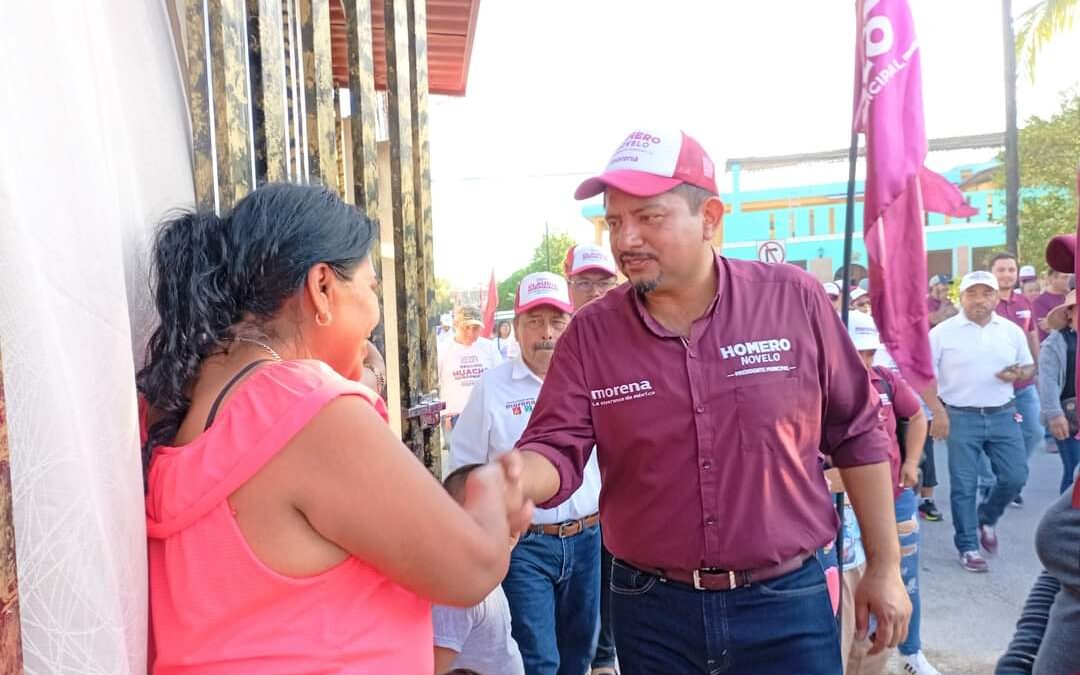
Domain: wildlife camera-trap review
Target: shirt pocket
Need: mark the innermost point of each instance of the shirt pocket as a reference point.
(767, 409)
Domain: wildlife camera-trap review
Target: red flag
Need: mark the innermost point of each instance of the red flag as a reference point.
(889, 112)
(490, 305)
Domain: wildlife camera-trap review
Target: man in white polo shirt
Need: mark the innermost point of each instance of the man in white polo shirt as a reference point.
(978, 355)
(553, 585)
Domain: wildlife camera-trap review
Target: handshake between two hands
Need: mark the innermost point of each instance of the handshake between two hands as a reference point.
(499, 487)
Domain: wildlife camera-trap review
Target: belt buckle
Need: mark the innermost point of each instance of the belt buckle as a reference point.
(563, 527)
(732, 583)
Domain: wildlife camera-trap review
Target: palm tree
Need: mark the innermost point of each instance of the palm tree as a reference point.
(1039, 25)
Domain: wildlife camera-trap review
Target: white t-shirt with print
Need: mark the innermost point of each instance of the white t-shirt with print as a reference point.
(460, 366)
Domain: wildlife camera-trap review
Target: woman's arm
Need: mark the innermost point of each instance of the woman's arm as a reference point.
(360, 488)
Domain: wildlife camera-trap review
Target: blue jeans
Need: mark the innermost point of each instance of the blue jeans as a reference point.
(775, 627)
(907, 526)
(973, 435)
(1069, 451)
(1027, 404)
(553, 588)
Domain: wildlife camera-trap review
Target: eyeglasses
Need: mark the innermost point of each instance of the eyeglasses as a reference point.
(584, 285)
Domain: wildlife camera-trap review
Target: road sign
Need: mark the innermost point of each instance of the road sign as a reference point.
(772, 251)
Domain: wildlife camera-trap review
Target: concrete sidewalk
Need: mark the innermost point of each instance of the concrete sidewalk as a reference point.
(968, 619)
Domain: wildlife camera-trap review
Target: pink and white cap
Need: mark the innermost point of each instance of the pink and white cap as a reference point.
(651, 162)
(588, 257)
(543, 288)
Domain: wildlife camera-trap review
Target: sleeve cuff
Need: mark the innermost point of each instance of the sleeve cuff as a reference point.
(451, 643)
(562, 465)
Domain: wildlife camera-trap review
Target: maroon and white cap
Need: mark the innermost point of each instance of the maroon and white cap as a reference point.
(651, 162)
(588, 258)
(543, 288)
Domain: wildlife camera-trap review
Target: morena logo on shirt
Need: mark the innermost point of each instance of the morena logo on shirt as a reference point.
(622, 392)
(521, 407)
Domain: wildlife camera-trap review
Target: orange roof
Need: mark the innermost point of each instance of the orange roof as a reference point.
(451, 25)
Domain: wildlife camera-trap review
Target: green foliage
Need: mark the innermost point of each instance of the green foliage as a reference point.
(1038, 26)
(1049, 155)
(548, 257)
(444, 301)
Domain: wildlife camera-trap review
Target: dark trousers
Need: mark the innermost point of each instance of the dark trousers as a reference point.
(926, 464)
(775, 627)
(605, 646)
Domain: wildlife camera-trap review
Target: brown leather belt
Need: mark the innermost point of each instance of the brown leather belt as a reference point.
(567, 529)
(714, 579)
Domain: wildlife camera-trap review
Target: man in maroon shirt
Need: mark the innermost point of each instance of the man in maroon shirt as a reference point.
(1017, 308)
(1057, 286)
(711, 388)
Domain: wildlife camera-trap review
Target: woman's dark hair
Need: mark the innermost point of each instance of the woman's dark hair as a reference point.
(213, 275)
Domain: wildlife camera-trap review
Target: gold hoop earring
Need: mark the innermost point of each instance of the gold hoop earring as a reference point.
(324, 319)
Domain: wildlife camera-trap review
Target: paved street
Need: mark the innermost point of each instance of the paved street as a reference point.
(968, 619)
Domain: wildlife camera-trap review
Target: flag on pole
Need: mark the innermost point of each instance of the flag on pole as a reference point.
(490, 305)
(898, 188)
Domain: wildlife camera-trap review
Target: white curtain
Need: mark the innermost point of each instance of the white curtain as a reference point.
(93, 149)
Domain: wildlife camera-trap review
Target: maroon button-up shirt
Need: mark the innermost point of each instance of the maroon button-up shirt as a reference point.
(1017, 308)
(710, 449)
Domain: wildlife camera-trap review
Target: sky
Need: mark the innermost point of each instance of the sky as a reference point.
(555, 85)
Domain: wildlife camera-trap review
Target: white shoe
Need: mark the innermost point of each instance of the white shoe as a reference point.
(916, 664)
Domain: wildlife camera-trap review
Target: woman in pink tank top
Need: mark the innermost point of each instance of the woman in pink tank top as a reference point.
(289, 530)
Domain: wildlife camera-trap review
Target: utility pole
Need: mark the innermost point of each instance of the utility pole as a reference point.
(1012, 135)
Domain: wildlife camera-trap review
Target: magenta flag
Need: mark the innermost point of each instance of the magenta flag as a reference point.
(898, 188)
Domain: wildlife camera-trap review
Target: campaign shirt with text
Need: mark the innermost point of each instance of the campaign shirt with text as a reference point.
(711, 448)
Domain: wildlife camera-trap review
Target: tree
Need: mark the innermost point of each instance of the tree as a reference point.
(1039, 25)
(1051, 151)
(548, 257)
(444, 302)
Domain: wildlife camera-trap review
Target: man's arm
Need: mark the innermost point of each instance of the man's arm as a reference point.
(469, 443)
(539, 477)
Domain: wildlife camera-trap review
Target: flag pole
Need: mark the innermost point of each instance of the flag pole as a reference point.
(845, 309)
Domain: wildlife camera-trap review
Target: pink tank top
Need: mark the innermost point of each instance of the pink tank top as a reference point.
(215, 608)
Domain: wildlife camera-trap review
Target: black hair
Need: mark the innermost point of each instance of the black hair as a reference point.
(1004, 255)
(695, 196)
(214, 276)
(455, 481)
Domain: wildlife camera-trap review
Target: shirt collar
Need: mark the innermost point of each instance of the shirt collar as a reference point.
(657, 328)
(522, 371)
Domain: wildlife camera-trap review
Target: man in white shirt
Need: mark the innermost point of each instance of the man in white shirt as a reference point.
(978, 355)
(462, 362)
(553, 584)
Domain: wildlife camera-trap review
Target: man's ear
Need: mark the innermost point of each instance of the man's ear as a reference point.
(712, 220)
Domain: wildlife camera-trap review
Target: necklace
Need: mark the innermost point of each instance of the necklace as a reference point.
(261, 345)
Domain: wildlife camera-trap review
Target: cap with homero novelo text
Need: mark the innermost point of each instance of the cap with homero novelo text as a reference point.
(588, 258)
(652, 162)
(543, 289)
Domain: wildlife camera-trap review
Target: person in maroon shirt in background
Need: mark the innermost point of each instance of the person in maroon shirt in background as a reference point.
(710, 389)
(1057, 286)
(939, 305)
(1017, 308)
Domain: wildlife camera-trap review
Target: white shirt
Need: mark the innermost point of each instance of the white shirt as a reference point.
(967, 358)
(492, 423)
(460, 367)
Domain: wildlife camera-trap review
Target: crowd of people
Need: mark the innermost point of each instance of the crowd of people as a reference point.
(641, 474)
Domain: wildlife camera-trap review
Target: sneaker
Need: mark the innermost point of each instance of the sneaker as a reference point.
(973, 561)
(1017, 503)
(916, 664)
(929, 510)
(988, 539)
